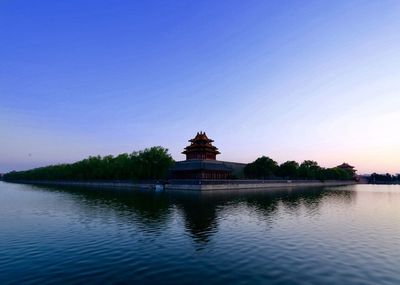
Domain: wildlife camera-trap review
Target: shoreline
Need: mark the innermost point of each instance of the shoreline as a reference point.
(233, 185)
(193, 185)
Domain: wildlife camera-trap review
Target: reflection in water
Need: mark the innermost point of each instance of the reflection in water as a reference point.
(201, 209)
(343, 235)
(145, 209)
(152, 211)
(200, 216)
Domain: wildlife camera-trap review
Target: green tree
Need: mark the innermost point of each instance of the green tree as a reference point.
(151, 163)
(289, 169)
(262, 168)
(309, 169)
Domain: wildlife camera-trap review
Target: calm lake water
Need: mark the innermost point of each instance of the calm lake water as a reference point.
(338, 235)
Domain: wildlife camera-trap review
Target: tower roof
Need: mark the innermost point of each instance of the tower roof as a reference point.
(201, 144)
(201, 137)
(345, 165)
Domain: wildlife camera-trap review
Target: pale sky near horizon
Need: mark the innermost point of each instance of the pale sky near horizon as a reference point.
(292, 80)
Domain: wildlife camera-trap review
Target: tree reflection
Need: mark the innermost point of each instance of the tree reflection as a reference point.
(147, 210)
(201, 211)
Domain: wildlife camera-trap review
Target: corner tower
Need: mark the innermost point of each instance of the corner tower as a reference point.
(201, 161)
(201, 148)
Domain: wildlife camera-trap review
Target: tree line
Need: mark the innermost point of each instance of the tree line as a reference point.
(155, 163)
(266, 168)
(384, 178)
(151, 163)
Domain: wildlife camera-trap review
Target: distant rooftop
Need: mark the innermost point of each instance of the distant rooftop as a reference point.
(345, 165)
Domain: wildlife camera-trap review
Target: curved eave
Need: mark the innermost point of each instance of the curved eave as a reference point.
(205, 150)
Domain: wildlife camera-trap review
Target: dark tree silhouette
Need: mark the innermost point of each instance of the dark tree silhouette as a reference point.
(266, 168)
(289, 169)
(151, 163)
(263, 167)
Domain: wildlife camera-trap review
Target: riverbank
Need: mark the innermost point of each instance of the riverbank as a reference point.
(93, 184)
(206, 185)
(193, 185)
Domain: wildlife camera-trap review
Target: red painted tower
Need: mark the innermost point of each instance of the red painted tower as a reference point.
(201, 161)
(201, 148)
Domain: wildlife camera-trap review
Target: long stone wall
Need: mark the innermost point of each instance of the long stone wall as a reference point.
(261, 185)
(206, 185)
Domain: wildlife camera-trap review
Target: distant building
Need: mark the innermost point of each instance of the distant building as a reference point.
(201, 162)
(348, 167)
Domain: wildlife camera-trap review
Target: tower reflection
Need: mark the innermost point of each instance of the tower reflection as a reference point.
(200, 211)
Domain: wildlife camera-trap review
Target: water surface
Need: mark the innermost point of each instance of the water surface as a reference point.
(336, 235)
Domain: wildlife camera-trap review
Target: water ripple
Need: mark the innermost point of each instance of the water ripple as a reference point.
(340, 235)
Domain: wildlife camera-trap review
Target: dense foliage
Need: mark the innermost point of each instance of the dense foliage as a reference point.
(266, 168)
(151, 163)
(384, 178)
(263, 167)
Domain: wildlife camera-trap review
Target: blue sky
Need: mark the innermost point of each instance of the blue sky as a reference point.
(292, 80)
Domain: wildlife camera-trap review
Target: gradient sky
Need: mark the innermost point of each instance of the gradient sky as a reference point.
(292, 80)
